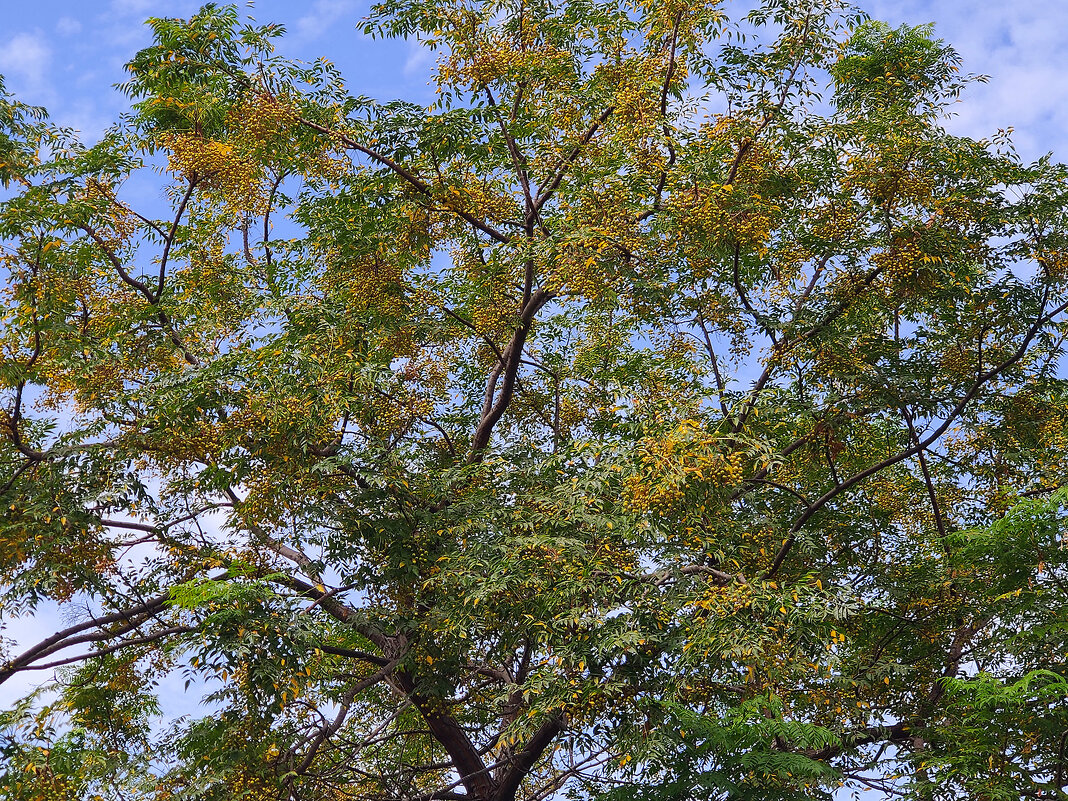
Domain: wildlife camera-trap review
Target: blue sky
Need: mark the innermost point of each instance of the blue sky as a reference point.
(68, 54)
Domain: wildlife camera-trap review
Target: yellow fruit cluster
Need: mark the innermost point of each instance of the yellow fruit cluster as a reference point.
(373, 281)
(217, 166)
(907, 268)
(40, 783)
(686, 458)
(1055, 263)
(586, 264)
(485, 56)
(481, 198)
(883, 178)
(638, 81)
(119, 223)
(959, 362)
(688, 16)
(1036, 420)
(833, 222)
(261, 119)
(724, 601)
(491, 311)
(583, 277)
(724, 215)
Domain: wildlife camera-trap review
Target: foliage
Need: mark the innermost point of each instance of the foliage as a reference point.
(674, 409)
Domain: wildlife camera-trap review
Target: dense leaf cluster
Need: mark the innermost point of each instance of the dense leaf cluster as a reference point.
(674, 409)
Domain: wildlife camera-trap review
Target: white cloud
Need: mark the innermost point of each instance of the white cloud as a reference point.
(135, 6)
(419, 56)
(324, 14)
(16, 635)
(142, 9)
(1021, 46)
(68, 26)
(26, 56)
(88, 119)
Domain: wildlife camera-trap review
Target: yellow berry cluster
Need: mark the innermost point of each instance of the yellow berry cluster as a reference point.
(638, 83)
(583, 272)
(40, 783)
(682, 460)
(1045, 420)
(119, 223)
(586, 263)
(373, 281)
(725, 215)
(906, 267)
(478, 196)
(834, 222)
(490, 310)
(486, 55)
(1054, 263)
(959, 362)
(1053, 438)
(885, 181)
(216, 166)
(261, 119)
(682, 19)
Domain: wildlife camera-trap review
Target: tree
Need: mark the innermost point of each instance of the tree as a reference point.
(634, 420)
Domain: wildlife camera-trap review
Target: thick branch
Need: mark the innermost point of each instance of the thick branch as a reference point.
(513, 355)
(474, 775)
(74, 635)
(525, 759)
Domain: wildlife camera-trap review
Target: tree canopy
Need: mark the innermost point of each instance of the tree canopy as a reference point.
(672, 410)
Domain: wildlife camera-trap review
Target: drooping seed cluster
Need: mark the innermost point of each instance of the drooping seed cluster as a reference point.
(686, 459)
